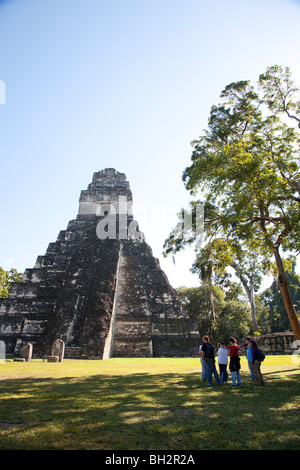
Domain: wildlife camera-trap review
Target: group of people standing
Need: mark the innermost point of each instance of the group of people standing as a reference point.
(232, 355)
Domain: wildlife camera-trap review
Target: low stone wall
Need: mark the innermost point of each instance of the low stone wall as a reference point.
(276, 343)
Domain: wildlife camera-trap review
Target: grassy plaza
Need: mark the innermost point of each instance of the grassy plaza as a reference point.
(146, 404)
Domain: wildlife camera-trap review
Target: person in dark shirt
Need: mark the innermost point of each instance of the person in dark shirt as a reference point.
(256, 364)
(209, 359)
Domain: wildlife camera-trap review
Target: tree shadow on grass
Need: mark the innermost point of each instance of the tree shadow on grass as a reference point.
(146, 411)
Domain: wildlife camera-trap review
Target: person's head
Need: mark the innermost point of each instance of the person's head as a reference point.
(248, 340)
(222, 344)
(232, 340)
(205, 339)
(253, 344)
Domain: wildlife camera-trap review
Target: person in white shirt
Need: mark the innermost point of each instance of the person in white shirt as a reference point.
(222, 354)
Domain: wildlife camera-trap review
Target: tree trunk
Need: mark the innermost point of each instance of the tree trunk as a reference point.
(208, 277)
(249, 292)
(250, 295)
(286, 297)
(212, 300)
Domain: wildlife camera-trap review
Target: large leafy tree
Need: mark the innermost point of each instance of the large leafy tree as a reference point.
(246, 166)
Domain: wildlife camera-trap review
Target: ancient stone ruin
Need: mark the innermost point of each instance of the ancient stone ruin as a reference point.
(98, 288)
(277, 343)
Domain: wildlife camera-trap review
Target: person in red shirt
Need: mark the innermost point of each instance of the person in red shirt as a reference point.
(235, 363)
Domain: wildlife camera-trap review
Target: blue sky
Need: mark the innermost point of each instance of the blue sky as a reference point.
(125, 84)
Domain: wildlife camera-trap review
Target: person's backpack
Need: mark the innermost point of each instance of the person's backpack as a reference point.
(260, 355)
(209, 350)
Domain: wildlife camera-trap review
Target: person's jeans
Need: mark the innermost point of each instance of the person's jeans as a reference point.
(203, 368)
(210, 368)
(236, 378)
(223, 373)
(251, 369)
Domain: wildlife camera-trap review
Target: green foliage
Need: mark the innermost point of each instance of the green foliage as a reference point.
(6, 279)
(280, 91)
(3, 278)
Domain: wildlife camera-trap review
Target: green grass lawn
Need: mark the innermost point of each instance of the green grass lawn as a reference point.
(149, 404)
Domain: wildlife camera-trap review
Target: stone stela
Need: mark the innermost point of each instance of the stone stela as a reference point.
(101, 296)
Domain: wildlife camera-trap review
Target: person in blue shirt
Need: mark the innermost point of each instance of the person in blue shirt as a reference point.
(248, 350)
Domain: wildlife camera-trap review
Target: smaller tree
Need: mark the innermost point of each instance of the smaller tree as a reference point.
(221, 253)
(232, 317)
(6, 280)
(235, 320)
(3, 281)
(197, 303)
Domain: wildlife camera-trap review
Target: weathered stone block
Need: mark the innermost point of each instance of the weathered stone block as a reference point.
(58, 349)
(26, 351)
(53, 359)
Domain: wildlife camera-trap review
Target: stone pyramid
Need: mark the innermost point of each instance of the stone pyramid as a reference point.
(98, 288)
